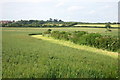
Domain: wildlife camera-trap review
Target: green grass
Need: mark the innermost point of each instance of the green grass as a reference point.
(90, 30)
(27, 57)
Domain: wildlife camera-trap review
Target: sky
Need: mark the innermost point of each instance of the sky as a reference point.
(67, 10)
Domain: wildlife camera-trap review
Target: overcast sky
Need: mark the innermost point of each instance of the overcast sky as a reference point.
(67, 10)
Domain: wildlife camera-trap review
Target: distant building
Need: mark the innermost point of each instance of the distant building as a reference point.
(4, 22)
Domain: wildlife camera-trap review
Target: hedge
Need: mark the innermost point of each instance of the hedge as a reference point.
(90, 39)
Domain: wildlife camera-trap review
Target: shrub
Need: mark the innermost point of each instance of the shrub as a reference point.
(55, 34)
(89, 39)
(107, 25)
(49, 30)
(64, 35)
(60, 35)
(107, 42)
(76, 35)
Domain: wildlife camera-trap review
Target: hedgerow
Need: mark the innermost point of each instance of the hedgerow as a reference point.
(74, 37)
(107, 42)
(90, 39)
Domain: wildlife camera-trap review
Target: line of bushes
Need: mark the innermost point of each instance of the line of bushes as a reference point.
(90, 39)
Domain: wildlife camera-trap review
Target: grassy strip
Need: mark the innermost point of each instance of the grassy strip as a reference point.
(82, 47)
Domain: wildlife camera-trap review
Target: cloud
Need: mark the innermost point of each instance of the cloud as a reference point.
(89, 0)
(75, 8)
(92, 12)
(108, 6)
(59, 4)
(4, 1)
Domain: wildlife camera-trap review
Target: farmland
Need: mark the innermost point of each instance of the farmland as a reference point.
(96, 25)
(24, 56)
(90, 30)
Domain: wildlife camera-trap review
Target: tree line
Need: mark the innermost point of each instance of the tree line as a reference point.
(39, 23)
(48, 23)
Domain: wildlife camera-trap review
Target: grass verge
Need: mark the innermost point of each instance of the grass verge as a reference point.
(82, 47)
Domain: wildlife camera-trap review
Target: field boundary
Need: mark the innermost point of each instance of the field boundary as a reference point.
(76, 46)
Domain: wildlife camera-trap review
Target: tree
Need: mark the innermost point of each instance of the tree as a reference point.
(55, 20)
(49, 30)
(50, 20)
(108, 26)
(60, 20)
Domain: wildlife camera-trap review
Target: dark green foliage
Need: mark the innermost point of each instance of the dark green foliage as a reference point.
(107, 42)
(55, 34)
(48, 31)
(79, 33)
(90, 39)
(64, 35)
(60, 35)
(40, 23)
(35, 34)
(107, 25)
(76, 35)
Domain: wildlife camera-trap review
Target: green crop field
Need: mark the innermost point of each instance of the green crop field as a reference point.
(24, 56)
(97, 25)
(90, 30)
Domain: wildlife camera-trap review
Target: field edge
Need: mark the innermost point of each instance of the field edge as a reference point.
(73, 45)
